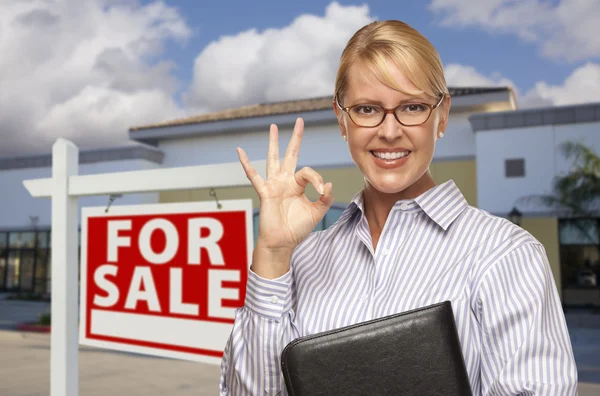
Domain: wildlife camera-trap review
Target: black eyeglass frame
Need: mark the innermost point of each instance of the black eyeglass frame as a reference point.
(387, 111)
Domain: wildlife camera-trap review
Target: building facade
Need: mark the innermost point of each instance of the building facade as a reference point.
(519, 156)
(495, 154)
(25, 243)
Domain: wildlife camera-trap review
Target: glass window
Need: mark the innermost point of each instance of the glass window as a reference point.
(49, 273)
(3, 239)
(12, 272)
(26, 264)
(21, 239)
(41, 269)
(2, 269)
(514, 167)
(579, 232)
(42, 239)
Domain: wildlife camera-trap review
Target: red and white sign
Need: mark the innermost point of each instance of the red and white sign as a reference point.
(164, 279)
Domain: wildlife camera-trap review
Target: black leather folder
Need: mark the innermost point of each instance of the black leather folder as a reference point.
(411, 353)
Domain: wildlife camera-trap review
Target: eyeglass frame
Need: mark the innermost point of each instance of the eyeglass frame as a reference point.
(387, 111)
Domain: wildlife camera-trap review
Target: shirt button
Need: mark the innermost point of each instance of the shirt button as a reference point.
(385, 252)
(404, 206)
(274, 299)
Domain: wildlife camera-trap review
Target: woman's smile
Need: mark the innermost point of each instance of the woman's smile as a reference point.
(390, 158)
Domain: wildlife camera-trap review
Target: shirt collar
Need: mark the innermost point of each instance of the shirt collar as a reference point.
(442, 203)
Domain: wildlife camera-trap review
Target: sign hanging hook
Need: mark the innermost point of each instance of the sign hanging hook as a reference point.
(111, 199)
(213, 193)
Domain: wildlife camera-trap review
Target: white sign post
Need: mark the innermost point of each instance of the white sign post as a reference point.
(64, 188)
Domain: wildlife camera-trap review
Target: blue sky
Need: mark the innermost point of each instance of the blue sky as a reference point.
(89, 70)
(489, 53)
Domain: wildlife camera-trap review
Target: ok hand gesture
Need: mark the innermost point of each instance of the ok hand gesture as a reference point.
(287, 216)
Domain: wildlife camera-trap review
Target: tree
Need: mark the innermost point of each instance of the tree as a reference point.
(575, 195)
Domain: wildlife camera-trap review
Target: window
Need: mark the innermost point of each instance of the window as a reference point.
(579, 232)
(21, 240)
(514, 167)
(3, 268)
(580, 261)
(42, 271)
(24, 261)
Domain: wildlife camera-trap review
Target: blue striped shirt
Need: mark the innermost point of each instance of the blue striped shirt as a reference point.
(433, 248)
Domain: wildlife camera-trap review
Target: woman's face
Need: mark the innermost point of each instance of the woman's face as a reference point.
(406, 175)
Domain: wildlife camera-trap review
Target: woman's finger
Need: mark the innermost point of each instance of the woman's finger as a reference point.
(308, 175)
(322, 205)
(253, 176)
(291, 155)
(273, 153)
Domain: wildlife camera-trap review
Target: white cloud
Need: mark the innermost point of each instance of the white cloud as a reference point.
(581, 86)
(563, 30)
(86, 70)
(296, 61)
(467, 76)
(83, 70)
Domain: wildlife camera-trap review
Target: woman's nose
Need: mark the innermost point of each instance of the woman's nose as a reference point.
(390, 129)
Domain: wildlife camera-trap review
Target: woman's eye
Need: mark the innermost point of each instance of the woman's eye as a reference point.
(366, 110)
(413, 108)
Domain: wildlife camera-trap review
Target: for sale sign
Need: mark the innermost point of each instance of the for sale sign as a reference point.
(164, 279)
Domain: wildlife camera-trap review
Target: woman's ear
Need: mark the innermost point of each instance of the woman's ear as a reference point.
(340, 118)
(444, 114)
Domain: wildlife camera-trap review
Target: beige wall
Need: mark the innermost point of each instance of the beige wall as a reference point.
(203, 195)
(464, 174)
(346, 183)
(545, 230)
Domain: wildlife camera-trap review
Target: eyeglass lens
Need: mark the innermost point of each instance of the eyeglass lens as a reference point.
(372, 115)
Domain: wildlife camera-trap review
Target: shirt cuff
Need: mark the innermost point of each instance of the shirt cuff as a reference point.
(269, 298)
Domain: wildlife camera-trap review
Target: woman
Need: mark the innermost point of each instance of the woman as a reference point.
(402, 243)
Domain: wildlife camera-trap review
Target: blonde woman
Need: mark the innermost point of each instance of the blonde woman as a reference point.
(402, 243)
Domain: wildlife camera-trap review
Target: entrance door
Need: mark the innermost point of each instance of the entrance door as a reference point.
(27, 261)
(19, 274)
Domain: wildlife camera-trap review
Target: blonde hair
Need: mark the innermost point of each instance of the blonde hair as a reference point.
(376, 42)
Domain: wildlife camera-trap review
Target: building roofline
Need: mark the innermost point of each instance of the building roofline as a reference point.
(152, 135)
(138, 151)
(294, 106)
(559, 115)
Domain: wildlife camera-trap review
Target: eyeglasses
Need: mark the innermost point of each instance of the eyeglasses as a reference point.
(408, 114)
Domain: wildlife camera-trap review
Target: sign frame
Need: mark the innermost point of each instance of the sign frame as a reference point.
(155, 209)
(64, 188)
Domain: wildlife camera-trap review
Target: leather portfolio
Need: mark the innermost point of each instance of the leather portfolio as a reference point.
(416, 352)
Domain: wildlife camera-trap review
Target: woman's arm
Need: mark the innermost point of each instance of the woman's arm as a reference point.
(262, 328)
(525, 344)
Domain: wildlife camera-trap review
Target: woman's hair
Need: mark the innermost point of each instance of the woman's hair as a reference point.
(375, 43)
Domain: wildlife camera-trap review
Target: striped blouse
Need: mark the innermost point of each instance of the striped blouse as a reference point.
(432, 248)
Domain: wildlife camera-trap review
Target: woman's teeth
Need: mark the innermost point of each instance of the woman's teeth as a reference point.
(390, 156)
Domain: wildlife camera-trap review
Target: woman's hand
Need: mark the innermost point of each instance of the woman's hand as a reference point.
(287, 216)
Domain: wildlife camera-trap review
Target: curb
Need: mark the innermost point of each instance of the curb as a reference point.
(33, 327)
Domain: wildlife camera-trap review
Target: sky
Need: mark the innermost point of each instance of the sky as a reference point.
(89, 70)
